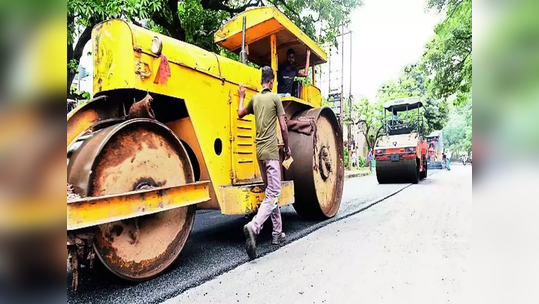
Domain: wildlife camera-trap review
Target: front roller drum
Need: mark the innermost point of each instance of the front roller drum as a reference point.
(403, 171)
(318, 167)
(137, 154)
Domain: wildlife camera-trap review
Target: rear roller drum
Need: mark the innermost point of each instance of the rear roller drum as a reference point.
(135, 155)
(381, 176)
(318, 167)
(403, 171)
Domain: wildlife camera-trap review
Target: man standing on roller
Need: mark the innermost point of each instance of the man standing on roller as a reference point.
(288, 72)
(267, 108)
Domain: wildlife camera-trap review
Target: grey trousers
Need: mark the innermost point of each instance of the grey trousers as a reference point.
(271, 174)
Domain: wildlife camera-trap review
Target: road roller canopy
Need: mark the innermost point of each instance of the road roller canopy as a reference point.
(261, 24)
(411, 121)
(403, 104)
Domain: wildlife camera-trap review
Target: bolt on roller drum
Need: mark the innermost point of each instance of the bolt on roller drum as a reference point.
(403, 171)
(318, 167)
(137, 154)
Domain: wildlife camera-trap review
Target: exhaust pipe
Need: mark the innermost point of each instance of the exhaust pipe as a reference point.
(243, 53)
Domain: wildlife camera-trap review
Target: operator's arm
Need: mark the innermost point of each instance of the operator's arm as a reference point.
(282, 124)
(305, 72)
(241, 110)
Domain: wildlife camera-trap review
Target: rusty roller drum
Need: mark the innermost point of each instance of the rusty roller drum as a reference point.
(134, 155)
(403, 171)
(318, 167)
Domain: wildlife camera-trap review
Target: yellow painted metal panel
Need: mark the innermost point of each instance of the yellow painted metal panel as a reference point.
(84, 119)
(112, 50)
(274, 61)
(312, 95)
(229, 36)
(243, 154)
(93, 211)
(183, 128)
(123, 59)
(246, 199)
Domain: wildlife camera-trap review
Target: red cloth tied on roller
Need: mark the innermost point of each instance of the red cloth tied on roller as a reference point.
(163, 73)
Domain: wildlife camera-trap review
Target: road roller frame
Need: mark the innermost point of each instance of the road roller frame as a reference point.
(152, 91)
(401, 152)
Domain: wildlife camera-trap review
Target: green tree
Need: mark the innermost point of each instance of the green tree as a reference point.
(325, 102)
(370, 121)
(458, 132)
(195, 21)
(331, 14)
(390, 90)
(448, 56)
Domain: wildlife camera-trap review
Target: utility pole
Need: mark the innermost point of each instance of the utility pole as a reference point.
(329, 73)
(338, 93)
(80, 76)
(349, 106)
(341, 117)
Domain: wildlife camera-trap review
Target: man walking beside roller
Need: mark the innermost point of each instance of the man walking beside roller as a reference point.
(267, 109)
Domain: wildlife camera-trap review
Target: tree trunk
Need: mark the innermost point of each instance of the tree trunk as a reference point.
(75, 53)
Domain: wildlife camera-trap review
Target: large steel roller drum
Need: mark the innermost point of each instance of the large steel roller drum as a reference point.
(134, 155)
(403, 171)
(318, 167)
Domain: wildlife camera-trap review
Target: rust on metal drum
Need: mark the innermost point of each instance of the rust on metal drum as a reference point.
(134, 155)
(318, 167)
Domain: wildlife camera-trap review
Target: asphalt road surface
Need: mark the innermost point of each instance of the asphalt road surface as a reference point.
(216, 246)
(414, 247)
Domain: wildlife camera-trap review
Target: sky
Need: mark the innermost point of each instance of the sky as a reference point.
(386, 34)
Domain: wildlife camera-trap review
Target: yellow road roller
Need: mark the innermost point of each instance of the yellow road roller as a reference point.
(401, 153)
(161, 138)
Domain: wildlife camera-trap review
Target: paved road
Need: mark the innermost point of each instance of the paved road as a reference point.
(216, 246)
(412, 248)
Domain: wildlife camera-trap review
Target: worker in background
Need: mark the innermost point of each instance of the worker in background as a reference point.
(288, 72)
(396, 119)
(448, 165)
(267, 108)
(369, 159)
(444, 160)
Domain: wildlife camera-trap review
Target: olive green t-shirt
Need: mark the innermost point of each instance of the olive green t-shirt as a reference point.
(267, 107)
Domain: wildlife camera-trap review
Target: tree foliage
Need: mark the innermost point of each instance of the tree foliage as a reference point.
(330, 14)
(448, 56)
(370, 121)
(195, 21)
(458, 132)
